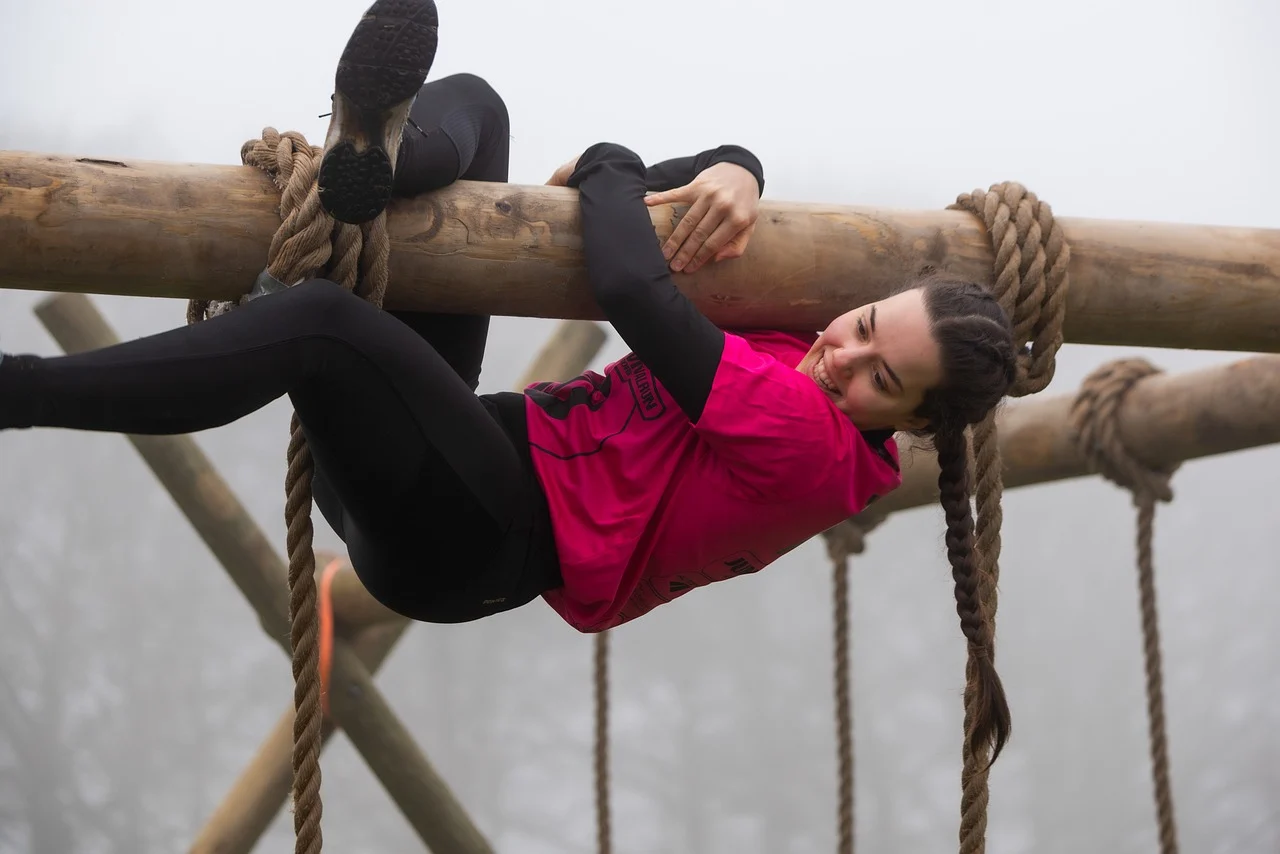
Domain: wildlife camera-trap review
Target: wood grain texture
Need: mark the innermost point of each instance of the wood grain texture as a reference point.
(190, 230)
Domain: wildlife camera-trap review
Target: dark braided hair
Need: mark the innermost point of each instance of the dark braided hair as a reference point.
(975, 343)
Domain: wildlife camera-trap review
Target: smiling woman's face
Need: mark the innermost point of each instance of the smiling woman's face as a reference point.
(877, 361)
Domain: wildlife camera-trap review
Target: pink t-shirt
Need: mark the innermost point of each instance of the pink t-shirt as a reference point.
(647, 506)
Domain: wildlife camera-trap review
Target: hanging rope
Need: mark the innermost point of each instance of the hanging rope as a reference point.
(1095, 419)
(1031, 259)
(844, 540)
(604, 826)
(308, 243)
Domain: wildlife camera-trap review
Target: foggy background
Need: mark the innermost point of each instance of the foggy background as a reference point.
(135, 682)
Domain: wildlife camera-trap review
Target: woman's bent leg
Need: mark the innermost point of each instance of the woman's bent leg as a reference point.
(407, 449)
(460, 130)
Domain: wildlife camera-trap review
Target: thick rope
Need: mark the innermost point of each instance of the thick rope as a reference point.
(844, 540)
(1095, 418)
(604, 826)
(308, 243)
(1031, 259)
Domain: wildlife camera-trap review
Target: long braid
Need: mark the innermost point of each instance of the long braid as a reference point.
(987, 715)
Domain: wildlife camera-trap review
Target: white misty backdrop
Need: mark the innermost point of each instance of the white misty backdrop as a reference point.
(137, 683)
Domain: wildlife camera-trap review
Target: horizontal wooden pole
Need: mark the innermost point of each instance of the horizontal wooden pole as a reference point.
(256, 797)
(190, 230)
(1166, 418)
(240, 545)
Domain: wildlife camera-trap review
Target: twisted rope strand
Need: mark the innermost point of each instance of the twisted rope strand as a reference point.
(1030, 283)
(307, 244)
(604, 826)
(1095, 417)
(846, 539)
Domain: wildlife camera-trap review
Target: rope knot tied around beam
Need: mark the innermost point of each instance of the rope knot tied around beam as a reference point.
(849, 538)
(1030, 275)
(1095, 419)
(309, 243)
(1030, 281)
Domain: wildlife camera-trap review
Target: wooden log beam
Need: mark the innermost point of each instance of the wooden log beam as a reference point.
(567, 353)
(1167, 418)
(239, 544)
(254, 800)
(354, 607)
(189, 230)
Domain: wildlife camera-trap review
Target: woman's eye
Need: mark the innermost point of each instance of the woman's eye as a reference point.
(862, 329)
(879, 380)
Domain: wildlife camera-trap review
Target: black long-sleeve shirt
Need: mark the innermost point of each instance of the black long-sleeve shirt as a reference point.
(629, 276)
(679, 171)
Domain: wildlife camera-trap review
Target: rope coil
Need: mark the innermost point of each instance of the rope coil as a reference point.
(1030, 283)
(308, 243)
(1095, 419)
(1031, 260)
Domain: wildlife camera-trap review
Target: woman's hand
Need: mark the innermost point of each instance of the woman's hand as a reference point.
(724, 203)
(560, 178)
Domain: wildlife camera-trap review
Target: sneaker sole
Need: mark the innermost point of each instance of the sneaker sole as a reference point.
(381, 70)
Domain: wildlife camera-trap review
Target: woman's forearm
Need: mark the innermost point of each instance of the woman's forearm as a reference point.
(631, 281)
(679, 171)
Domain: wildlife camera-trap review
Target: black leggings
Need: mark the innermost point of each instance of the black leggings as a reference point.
(429, 485)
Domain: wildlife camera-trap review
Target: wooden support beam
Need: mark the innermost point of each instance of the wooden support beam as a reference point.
(354, 607)
(566, 353)
(254, 800)
(1167, 418)
(239, 544)
(264, 786)
(189, 230)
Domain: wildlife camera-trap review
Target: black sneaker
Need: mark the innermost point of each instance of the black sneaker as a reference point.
(383, 66)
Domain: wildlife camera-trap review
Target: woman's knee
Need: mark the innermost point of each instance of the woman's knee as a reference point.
(474, 88)
(321, 306)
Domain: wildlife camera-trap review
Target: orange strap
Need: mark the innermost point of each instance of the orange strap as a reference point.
(325, 607)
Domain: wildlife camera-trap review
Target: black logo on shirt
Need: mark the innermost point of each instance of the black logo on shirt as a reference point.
(558, 399)
(739, 563)
(644, 389)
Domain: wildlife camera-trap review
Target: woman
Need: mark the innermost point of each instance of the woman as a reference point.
(700, 456)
